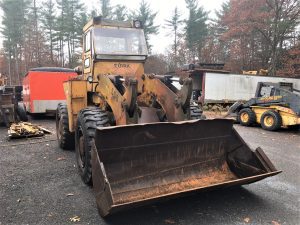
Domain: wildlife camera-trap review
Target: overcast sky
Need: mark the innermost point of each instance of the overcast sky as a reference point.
(164, 8)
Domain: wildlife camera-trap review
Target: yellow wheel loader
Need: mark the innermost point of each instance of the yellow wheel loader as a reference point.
(132, 133)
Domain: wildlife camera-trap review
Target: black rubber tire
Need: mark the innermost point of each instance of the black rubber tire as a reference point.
(65, 138)
(6, 120)
(276, 118)
(88, 120)
(196, 113)
(251, 117)
(21, 112)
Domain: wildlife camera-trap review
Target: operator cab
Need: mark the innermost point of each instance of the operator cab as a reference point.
(127, 42)
(113, 40)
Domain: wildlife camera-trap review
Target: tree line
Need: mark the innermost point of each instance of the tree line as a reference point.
(39, 34)
(244, 34)
(49, 33)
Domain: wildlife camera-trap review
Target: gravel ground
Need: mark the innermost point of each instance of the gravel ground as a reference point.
(39, 184)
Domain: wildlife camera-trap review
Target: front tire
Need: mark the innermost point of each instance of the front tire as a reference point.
(246, 117)
(88, 120)
(271, 120)
(65, 138)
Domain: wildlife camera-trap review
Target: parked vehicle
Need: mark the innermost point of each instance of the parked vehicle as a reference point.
(272, 107)
(43, 88)
(133, 134)
(224, 88)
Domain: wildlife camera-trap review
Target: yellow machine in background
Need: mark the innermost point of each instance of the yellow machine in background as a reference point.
(261, 72)
(272, 107)
(132, 132)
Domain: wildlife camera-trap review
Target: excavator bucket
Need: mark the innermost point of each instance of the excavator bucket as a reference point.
(138, 164)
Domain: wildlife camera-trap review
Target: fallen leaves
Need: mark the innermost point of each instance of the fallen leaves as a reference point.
(75, 219)
(169, 221)
(247, 220)
(61, 158)
(275, 223)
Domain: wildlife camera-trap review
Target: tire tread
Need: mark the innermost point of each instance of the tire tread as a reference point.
(89, 119)
(67, 141)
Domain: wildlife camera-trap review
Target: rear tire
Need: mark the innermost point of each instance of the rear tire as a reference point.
(21, 112)
(65, 138)
(88, 120)
(246, 117)
(271, 120)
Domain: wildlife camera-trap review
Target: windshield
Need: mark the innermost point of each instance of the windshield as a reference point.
(124, 41)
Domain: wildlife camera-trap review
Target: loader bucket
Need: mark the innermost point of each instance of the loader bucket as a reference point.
(137, 164)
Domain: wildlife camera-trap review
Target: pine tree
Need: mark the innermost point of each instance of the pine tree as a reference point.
(147, 17)
(60, 29)
(174, 25)
(221, 14)
(48, 22)
(106, 9)
(215, 31)
(120, 13)
(35, 33)
(73, 31)
(70, 22)
(196, 28)
(13, 21)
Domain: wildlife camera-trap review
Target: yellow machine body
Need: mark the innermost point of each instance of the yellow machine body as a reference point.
(133, 134)
(288, 116)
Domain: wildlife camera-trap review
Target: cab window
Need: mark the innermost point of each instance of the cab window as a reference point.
(87, 42)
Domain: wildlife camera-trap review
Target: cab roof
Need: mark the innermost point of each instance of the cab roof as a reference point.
(100, 21)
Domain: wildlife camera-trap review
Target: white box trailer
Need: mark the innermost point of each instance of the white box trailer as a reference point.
(229, 88)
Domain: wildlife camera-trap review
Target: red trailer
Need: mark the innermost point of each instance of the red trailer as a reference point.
(43, 88)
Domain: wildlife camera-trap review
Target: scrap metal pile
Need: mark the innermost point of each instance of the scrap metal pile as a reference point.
(25, 130)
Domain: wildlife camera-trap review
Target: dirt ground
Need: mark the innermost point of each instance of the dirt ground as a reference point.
(39, 184)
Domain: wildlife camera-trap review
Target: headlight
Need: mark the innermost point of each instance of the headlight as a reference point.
(90, 79)
(137, 24)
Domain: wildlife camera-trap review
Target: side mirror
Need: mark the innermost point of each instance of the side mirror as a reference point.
(78, 70)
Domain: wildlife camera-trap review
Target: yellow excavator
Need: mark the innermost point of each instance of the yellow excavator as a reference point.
(132, 132)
